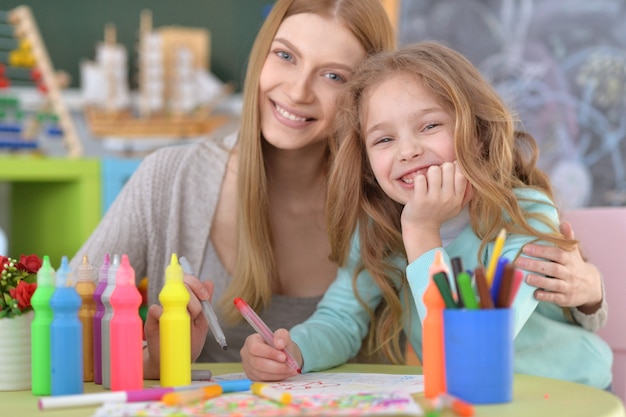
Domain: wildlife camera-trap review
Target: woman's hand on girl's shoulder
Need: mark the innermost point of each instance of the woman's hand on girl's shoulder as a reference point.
(562, 276)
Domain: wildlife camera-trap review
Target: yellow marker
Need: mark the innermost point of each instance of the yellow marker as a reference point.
(175, 328)
(497, 250)
(265, 391)
(188, 397)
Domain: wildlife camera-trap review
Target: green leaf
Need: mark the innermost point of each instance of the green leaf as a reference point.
(32, 278)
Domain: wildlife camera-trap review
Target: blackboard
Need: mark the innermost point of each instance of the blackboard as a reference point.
(561, 66)
(71, 28)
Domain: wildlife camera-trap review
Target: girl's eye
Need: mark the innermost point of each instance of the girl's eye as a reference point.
(385, 139)
(284, 55)
(336, 77)
(431, 126)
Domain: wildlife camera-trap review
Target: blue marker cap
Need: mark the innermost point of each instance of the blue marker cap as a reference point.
(235, 385)
(65, 277)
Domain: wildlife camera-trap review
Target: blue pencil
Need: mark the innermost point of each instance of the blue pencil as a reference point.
(497, 279)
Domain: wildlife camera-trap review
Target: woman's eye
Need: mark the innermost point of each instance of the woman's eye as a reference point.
(284, 55)
(336, 77)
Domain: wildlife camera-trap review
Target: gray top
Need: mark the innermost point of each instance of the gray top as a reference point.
(166, 207)
(282, 312)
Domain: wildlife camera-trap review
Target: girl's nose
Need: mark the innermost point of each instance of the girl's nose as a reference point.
(409, 149)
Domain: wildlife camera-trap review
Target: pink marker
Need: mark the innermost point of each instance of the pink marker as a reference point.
(261, 328)
(126, 335)
(518, 277)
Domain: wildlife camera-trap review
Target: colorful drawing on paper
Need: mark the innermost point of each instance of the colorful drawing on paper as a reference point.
(343, 383)
(314, 394)
(244, 405)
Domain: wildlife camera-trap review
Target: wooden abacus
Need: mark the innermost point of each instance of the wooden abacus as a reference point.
(31, 54)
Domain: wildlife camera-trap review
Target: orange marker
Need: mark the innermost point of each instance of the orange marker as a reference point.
(432, 334)
(188, 397)
(460, 407)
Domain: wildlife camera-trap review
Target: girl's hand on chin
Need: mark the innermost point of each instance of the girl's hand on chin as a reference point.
(438, 196)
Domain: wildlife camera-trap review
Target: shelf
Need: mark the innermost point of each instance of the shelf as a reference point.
(54, 204)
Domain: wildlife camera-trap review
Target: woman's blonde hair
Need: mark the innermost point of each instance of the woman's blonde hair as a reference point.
(495, 158)
(255, 269)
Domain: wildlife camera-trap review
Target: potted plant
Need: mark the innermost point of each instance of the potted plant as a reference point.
(18, 281)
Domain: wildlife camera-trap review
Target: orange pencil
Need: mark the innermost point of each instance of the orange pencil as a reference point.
(432, 334)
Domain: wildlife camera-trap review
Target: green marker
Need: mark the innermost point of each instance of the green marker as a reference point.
(40, 329)
(441, 280)
(464, 281)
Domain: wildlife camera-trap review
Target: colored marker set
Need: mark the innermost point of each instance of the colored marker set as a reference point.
(468, 337)
(496, 287)
(75, 335)
(56, 343)
(121, 329)
(168, 396)
(175, 328)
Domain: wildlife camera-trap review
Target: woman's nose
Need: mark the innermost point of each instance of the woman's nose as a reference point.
(299, 87)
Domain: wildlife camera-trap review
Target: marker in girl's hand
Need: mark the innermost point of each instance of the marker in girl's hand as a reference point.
(261, 328)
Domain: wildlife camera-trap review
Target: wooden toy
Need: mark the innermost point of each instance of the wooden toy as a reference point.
(28, 63)
(176, 95)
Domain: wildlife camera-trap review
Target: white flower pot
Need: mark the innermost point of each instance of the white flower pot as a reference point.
(15, 373)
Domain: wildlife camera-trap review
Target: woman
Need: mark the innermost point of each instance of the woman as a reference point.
(248, 211)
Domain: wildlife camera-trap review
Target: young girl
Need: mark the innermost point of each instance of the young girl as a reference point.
(428, 160)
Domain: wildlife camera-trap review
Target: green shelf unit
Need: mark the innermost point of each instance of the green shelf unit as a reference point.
(55, 204)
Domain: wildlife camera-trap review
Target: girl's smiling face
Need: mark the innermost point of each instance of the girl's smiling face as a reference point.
(405, 131)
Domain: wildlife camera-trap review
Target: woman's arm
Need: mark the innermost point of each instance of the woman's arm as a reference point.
(574, 283)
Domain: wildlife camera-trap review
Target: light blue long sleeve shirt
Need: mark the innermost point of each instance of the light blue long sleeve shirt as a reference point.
(546, 342)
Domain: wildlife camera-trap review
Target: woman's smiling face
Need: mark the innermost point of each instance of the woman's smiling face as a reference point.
(310, 59)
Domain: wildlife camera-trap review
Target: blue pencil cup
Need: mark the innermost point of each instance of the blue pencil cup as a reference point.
(479, 354)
